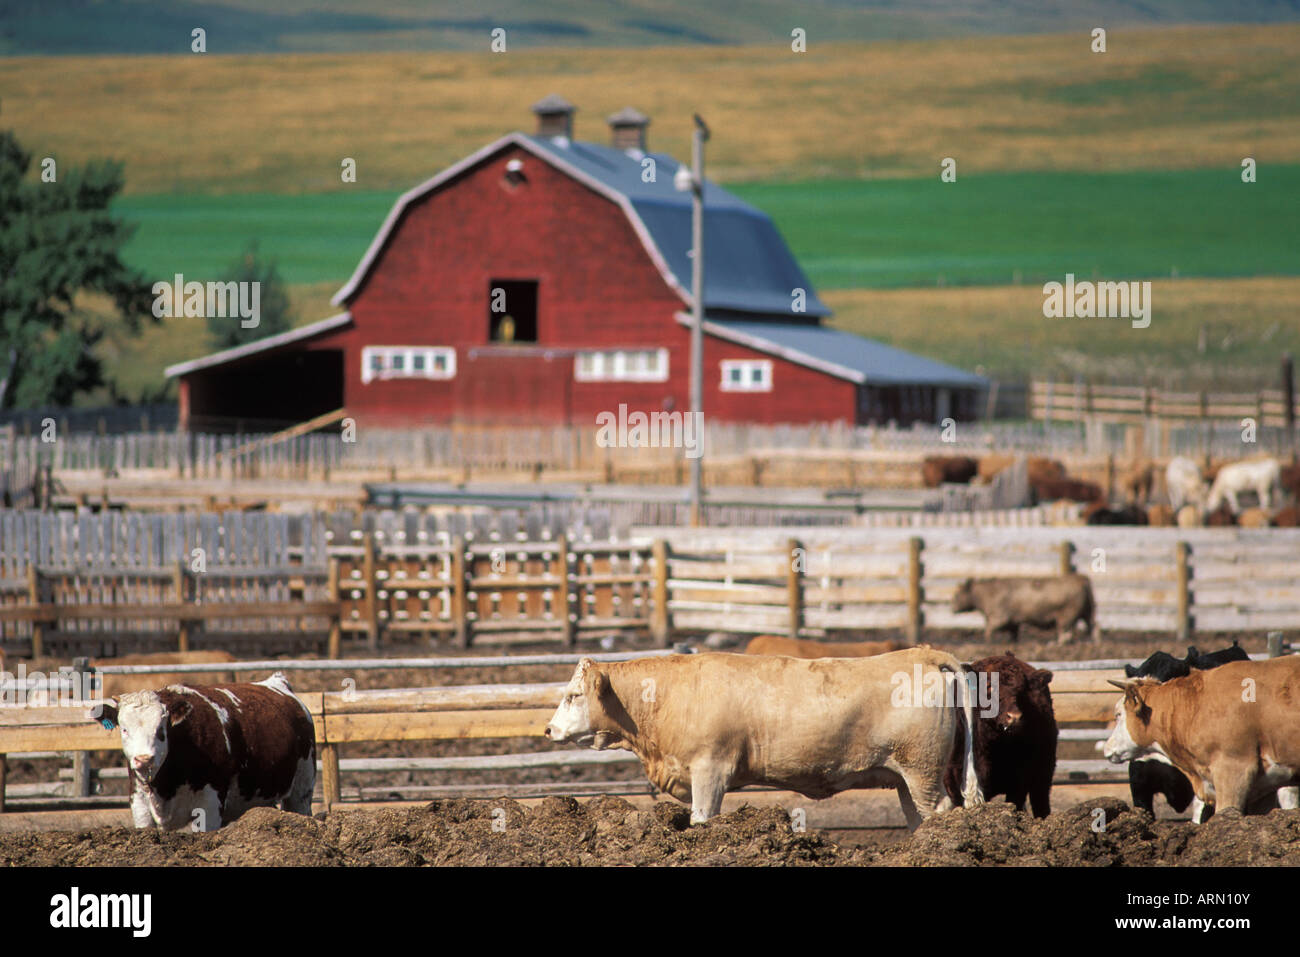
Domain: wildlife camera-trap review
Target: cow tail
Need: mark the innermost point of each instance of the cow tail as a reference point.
(971, 792)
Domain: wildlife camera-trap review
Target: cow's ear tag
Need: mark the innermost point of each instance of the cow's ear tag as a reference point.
(108, 723)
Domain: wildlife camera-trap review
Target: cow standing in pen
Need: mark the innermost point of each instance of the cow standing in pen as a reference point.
(200, 756)
(707, 724)
(1060, 601)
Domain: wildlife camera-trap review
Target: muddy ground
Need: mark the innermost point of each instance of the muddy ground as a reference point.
(610, 831)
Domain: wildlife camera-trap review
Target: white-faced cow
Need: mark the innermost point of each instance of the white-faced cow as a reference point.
(200, 756)
(1234, 731)
(706, 724)
(1060, 601)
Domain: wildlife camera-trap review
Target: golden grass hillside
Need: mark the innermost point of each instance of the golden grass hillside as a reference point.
(1159, 98)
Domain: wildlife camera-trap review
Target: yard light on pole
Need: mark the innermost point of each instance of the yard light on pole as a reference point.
(693, 180)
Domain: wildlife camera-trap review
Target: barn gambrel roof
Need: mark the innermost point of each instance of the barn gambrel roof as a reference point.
(748, 267)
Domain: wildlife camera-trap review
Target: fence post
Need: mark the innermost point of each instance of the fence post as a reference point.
(329, 759)
(34, 599)
(568, 606)
(913, 622)
(368, 571)
(334, 648)
(1275, 644)
(1184, 623)
(1066, 552)
(794, 586)
(2, 783)
(178, 582)
(660, 622)
(81, 759)
(459, 592)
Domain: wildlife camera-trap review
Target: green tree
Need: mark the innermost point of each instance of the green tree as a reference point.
(57, 239)
(275, 313)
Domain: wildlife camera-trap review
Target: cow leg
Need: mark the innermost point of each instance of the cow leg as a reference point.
(1040, 796)
(919, 797)
(298, 800)
(1288, 799)
(141, 811)
(1232, 785)
(708, 785)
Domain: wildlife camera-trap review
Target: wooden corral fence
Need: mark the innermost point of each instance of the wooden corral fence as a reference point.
(1074, 402)
(101, 590)
(825, 455)
(346, 717)
(1082, 699)
(1163, 580)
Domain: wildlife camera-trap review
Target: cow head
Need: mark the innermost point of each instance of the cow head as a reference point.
(963, 599)
(580, 717)
(146, 722)
(1132, 737)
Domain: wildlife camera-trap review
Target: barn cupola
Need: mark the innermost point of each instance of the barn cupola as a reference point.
(627, 130)
(555, 117)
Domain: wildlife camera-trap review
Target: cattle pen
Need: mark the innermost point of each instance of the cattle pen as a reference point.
(54, 735)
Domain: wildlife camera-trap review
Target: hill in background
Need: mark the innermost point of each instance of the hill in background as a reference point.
(50, 27)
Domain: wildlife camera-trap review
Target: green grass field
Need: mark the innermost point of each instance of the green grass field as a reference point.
(995, 229)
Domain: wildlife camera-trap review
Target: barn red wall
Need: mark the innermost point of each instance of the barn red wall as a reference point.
(597, 287)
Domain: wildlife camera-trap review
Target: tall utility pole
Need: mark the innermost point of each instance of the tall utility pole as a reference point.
(697, 318)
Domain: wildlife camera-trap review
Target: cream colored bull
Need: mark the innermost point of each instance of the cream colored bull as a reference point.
(707, 724)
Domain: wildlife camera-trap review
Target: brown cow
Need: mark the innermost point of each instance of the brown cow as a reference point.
(1221, 517)
(1008, 603)
(803, 648)
(115, 685)
(1051, 490)
(1040, 469)
(991, 465)
(1015, 750)
(1137, 482)
(1254, 518)
(1289, 479)
(937, 469)
(1288, 517)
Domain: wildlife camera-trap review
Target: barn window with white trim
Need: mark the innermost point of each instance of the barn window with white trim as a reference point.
(746, 375)
(407, 362)
(621, 365)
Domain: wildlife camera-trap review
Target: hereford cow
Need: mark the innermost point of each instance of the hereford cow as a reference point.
(113, 686)
(937, 469)
(1060, 601)
(802, 648)
(201, 755)
(1261, 476)
(1015, 752)
(706, 724)
(1234, 731)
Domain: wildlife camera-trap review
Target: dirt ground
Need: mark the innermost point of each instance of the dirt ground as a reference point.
(610, 831)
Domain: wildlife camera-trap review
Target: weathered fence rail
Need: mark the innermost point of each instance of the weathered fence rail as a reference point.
(1082, 699)
(388, 577)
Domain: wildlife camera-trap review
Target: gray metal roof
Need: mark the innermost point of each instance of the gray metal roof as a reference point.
(748, 267)
(842, 353)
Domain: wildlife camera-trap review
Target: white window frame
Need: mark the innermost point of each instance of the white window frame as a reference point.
(612, 365)
(388, 354)
(747, 367)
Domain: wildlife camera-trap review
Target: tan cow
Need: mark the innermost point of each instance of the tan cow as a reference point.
(114, 686)
(1233, 730)
(707, 724)
(803, 648)
(1063, 601)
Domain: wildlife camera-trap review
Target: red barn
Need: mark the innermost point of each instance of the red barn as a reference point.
(546, 280)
